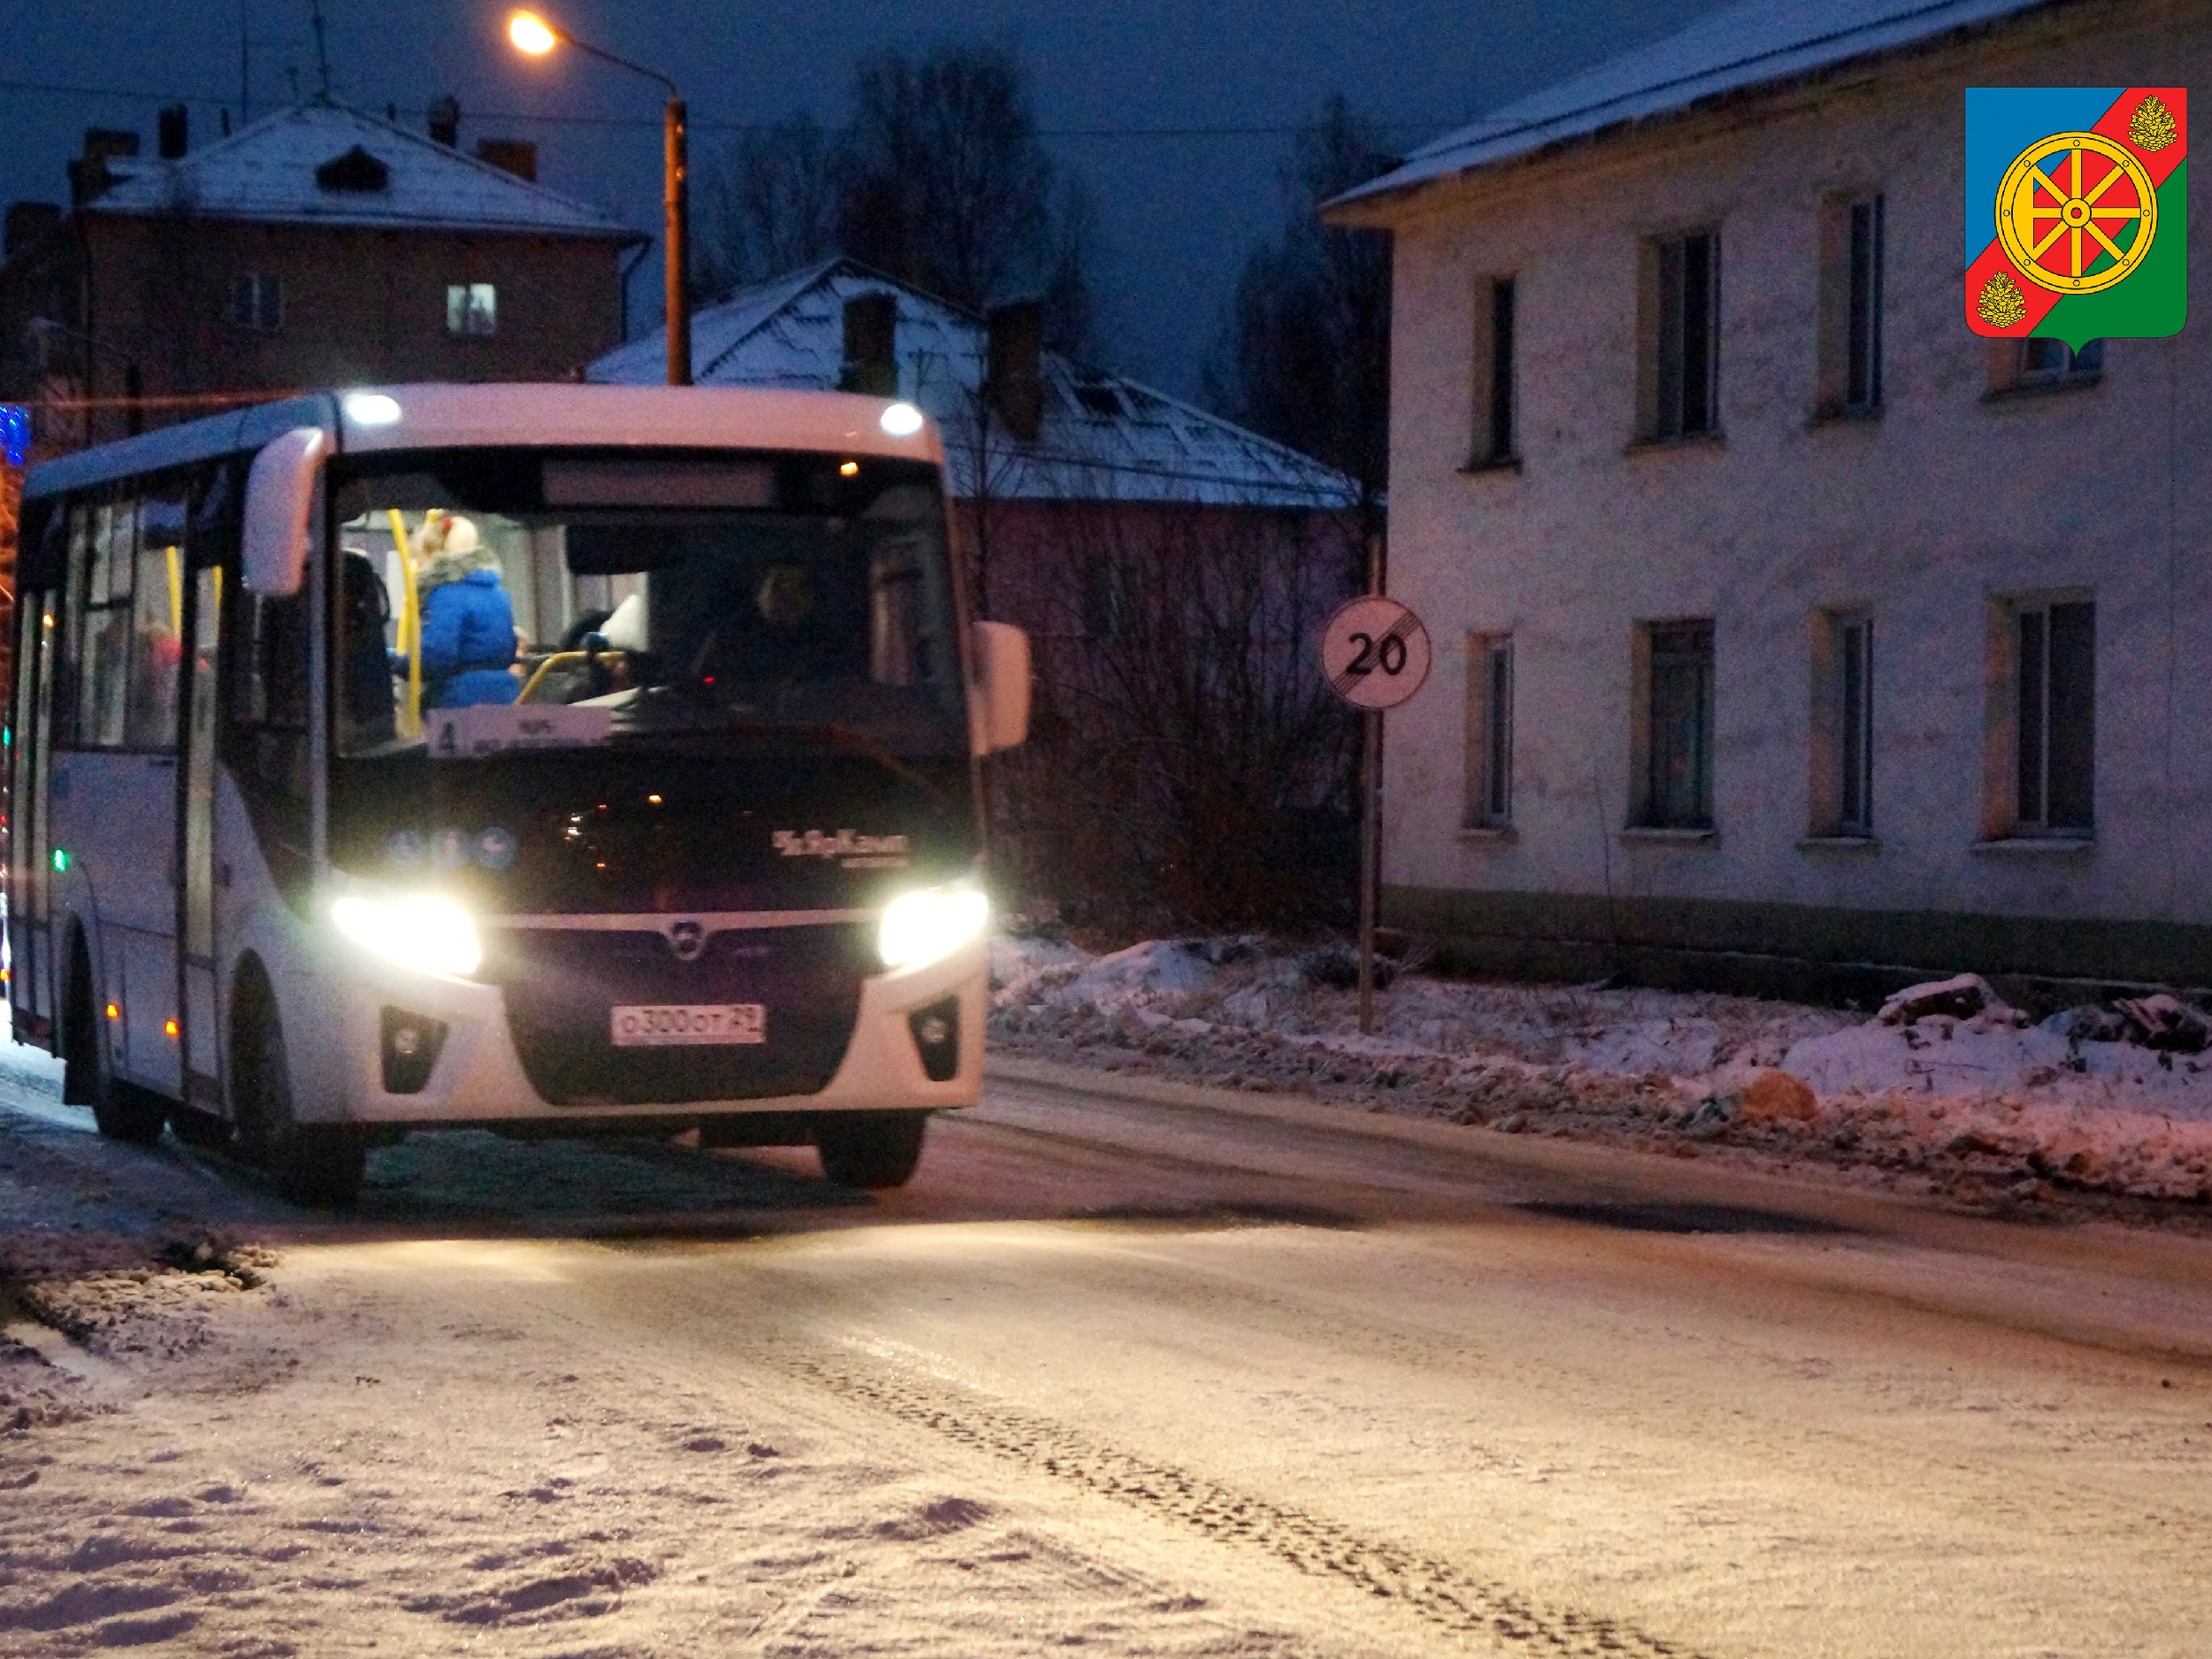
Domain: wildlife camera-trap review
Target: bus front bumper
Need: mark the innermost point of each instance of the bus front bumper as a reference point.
(478, 1076)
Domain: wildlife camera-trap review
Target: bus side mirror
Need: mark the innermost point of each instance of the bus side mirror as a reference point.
(1000, 701)
(279, 495)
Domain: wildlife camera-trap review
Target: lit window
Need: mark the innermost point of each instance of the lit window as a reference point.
(471, 308)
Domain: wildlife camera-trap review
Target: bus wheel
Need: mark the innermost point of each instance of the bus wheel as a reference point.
(319, 1165)
(870, 1149)
(123, 1110)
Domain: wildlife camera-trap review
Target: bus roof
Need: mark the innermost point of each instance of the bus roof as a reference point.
(437, 416)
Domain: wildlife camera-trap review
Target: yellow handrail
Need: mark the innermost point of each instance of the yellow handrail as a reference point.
(409, 642)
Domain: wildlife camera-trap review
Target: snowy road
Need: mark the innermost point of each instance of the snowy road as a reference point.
(1192, 1375)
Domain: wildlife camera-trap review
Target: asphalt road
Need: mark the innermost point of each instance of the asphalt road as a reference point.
(1187, 1373)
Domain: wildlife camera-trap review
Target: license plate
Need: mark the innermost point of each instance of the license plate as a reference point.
(657, 1026)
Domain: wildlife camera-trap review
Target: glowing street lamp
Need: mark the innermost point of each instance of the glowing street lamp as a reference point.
(535, 35)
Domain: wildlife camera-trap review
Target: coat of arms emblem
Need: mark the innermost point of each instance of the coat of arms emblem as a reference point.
(2076, 211)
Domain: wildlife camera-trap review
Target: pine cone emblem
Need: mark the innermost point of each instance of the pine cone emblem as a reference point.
(1999, 303)
(2152, 125)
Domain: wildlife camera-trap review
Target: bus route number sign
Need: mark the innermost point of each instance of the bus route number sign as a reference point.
(1375, 653)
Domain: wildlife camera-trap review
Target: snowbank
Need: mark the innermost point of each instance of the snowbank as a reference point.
(1945, 1072)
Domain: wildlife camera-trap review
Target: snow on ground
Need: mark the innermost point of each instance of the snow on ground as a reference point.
(1954, 1084)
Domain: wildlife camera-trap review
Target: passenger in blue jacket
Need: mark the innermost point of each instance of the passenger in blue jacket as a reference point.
(468, 626)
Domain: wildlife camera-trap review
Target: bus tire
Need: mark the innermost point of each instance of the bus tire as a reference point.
(875, 1150)
(123, 1110)
(318, 1165)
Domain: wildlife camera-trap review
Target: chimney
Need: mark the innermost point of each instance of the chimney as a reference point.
(1011, 379)
(871, 335)
(26, 223)
(88, 174)
(444, 119)
(516, 155)
(175, 129)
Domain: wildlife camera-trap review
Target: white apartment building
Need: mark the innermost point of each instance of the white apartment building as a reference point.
(1791, 637)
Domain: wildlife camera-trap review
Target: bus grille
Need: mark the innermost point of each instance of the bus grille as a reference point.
(563, 984)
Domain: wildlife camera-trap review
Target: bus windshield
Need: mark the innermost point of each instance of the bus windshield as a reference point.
(765, 595)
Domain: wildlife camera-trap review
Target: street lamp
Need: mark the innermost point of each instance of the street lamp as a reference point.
(532, 35)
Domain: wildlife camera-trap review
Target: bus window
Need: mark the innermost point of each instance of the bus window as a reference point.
(156, 625)
(678, 594)
(101, 577)
(268, 694)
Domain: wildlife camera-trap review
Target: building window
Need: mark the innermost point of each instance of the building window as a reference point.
(1496, 440)
(1489, 731)
(1854, 724)
(2055, 678)
(1851, 307)
(1681, 333)
(256, 301)
(1106, 600)
(2040, 364)
(1677, 785)
(471, 308)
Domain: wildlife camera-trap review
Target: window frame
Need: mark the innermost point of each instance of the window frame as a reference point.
(2046, 697)
(1488, 803)
(1659, 649)
(1679, 337)
(1494, 389)
(256, 301)
(462, 310)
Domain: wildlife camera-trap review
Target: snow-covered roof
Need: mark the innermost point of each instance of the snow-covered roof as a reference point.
(400, 181)
(1757, 43)
(1101, 437)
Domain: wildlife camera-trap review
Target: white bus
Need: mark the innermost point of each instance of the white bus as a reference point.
(548, 758)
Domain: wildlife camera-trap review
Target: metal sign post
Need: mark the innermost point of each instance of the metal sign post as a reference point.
(1375, 656)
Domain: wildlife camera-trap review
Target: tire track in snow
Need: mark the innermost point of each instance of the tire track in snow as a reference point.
(1434, 1589)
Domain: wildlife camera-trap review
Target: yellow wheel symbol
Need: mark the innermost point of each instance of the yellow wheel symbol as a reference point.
(2077, 212)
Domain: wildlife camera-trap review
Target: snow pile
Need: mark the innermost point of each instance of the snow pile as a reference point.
(1945, 1078)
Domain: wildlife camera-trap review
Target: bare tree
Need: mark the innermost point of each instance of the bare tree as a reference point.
(772, 205)
(1305, 354)
(1187, 764)
(938, 178)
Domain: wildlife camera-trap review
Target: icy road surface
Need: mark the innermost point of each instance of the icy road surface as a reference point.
(1189, 1375)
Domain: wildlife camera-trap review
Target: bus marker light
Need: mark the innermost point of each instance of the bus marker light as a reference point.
(850, 468)
(372, 409)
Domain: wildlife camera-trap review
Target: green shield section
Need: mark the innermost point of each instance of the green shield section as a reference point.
(2153, 300)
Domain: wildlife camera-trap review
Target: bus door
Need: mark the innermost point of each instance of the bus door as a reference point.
(31, 988)
(203, 1040)
(124, 812)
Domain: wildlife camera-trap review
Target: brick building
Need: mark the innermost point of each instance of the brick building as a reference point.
(319, 246)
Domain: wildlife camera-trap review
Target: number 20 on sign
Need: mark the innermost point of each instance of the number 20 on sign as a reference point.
(1375, 653)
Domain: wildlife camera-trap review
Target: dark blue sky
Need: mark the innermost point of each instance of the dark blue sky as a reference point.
(1177, 212)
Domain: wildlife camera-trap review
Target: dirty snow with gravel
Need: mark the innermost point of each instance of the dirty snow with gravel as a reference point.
(1946, 1080)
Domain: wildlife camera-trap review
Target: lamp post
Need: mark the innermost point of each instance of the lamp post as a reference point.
(532, 34)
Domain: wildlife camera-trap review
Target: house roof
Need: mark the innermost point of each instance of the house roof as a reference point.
(1757, 43)
(398, 179)
(1102, 437)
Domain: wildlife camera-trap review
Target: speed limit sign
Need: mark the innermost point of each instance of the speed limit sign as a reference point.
(1375, 653)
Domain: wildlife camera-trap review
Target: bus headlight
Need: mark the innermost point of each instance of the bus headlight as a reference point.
(432, 933)
(923, 926)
